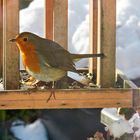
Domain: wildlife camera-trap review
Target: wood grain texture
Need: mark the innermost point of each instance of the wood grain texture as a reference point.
(136, 98)
(93, 34)
(10, 51)
(61, 22)
(108, 43)
(49, 4)
(1, 37)
(97, 98)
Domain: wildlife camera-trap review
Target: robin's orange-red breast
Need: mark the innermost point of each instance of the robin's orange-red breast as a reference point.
(45, 59)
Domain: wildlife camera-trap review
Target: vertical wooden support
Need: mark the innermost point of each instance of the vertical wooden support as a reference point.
(108, 42)
(10, 51)
(136, 97)
(1, 36)
(60, 26)
(99, 43)
(49, 19)
(93, 34)
(61, 22)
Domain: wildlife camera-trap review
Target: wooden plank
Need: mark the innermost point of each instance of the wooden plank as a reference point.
(49, 19)
(97, 98)
(93, 34)
(1, 36)
(61, 22)
(10, 51)
(108, 43)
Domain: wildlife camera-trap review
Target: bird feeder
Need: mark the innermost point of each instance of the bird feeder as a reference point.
(102, 39)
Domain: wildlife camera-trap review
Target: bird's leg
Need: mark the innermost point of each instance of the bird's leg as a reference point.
(52, 92)
(53, 89)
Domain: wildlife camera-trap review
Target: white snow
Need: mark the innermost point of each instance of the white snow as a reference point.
(135, 123)
(32, 18)
(33, 131)
(128, 37)
(120, 127)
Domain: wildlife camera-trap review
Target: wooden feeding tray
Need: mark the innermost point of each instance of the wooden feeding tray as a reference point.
(126, 96)
(98, 98)
(102, 39)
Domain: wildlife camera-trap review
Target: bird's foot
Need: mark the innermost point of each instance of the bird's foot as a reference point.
(52, 94)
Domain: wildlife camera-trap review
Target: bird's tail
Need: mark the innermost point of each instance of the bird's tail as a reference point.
(77, 57)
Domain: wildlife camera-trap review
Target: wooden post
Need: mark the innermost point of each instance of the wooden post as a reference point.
(93, 34)
(108, 43)
(1, 37)
(49, 19)
(61, 22)
(10, 51)
(61, 29)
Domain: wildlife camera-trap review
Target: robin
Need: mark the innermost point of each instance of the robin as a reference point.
(45, 59)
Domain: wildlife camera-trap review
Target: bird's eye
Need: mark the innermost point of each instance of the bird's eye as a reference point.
(25, 39)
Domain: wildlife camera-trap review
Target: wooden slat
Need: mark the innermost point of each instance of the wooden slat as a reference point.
(10, 51)
(108, 42)
(1, 37)
(61, 22)
(97, 98)
(93, 34)
(99, 44)
(49, 19)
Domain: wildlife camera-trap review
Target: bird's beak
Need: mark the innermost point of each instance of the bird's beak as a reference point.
(12, 40)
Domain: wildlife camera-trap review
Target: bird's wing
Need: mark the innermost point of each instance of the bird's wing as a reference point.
(52, 54)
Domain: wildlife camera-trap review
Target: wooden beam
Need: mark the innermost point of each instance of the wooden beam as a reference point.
(1, 37)
(98, 98)
(61, 22)
(10, 51)
(93, 34)
(108, 43)
(49, 4)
